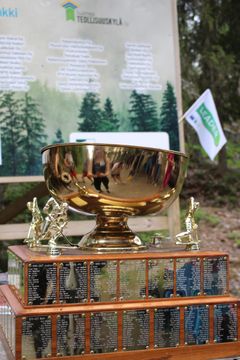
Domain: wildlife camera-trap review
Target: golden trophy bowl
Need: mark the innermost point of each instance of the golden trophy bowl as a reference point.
(113, 182)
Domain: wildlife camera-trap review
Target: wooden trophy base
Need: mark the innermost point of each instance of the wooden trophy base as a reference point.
(150, 305)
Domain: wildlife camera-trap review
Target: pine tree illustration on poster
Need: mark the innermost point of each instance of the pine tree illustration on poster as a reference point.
(169, 118)
(10, 122)
(142, 111)
(24, 132)
(58, 137)
(90, 113)
(109, 119)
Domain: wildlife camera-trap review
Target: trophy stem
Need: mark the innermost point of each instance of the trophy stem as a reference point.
(111, 234)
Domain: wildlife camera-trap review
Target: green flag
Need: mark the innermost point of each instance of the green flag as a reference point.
(203, 117)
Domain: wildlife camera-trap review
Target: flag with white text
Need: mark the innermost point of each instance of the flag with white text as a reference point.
(203, 117)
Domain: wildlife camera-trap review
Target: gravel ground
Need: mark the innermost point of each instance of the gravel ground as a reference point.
(224, 236)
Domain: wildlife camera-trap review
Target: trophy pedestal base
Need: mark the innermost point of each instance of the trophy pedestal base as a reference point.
(111, 234)
(103, 250)
(101, 332)
(147, 305)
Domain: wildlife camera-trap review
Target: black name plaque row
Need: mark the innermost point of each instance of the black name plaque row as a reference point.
(93, 332)
(104, 330)
(119, 280)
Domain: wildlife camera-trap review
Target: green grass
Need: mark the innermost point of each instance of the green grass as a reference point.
(235, 236)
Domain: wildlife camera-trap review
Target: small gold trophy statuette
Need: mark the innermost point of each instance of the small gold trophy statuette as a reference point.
(190, 236)
(49, 228)
(35, 229)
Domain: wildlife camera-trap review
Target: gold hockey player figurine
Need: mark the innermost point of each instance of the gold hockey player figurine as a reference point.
(48, 228)
(190, 236)
(55, 221)
(35, 230)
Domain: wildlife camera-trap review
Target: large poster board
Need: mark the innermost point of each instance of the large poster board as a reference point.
(84, 65)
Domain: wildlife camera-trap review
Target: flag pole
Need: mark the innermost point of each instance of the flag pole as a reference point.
(181, 119)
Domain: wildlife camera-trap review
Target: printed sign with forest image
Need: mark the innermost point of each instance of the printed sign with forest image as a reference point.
(88, 75)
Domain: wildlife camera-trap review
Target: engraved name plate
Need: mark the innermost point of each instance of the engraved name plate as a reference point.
(135, 329)
(166, 327)
(132, 279)
(13, 327)
(188, 277)
(6, 315)
(16, 273)
(21, 279)
(41, 283)
(73, 282)
(36, 337)
(215, 276)
(103, 281)
(104, 332)
(9, 325)
(2, 313)
(160, 278)
(225, 323)
(1, 310)
(11, 268)
(196, 324)
(71, 334)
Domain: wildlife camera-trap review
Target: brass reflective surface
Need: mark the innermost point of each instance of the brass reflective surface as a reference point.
(225, 323)
(113, 182)
(42, 279)
(103, 332)
(16, 273)
(11, 268)
(36, 337)
(22, 279)
(9, 325)
(103, 281)
(132, 279)
(215, 276)
(160, 278)
(71, 334)
(136, 330)
(188, 277)
(196, 325)
(73, 281)
(13, 340)
(166, 327)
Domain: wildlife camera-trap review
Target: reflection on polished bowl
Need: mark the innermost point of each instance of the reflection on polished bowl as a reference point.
(113, 182)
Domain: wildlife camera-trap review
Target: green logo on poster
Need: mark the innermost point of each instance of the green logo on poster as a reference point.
(209, 123)
(70, 8)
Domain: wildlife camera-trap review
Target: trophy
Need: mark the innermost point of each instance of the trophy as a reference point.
(190, 236)
(48, 228)
(111, 297)
(113, 182)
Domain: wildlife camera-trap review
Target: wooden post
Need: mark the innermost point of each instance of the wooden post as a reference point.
(174, 220)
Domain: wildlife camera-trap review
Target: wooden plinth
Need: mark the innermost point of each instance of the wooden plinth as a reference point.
(188, 282)
(27, 259)
(207, 351)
